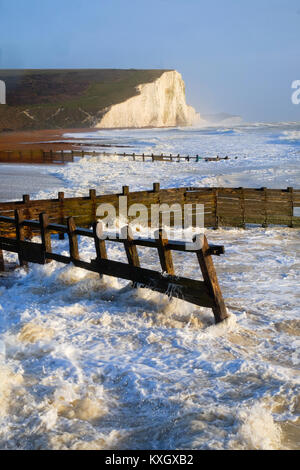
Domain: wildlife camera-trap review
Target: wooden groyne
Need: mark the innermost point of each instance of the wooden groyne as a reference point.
(223, 207)
(39, 156)
(36, 156)
(206, 293)
(164, 158)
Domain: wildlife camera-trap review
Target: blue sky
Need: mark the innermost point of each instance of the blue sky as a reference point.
(235, 56)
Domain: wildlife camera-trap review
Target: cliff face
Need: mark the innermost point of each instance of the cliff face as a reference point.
(160, 103)
(107, 98)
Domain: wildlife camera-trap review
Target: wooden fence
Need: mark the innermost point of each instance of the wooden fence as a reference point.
(206, 293)
(162, 157)
(36, 156)
(223, 207)
(64, 156)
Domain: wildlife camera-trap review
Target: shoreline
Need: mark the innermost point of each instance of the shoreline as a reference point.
(53, 139)
(19, 179)
(46, 139)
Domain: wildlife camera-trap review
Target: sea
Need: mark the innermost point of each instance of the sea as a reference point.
(89, 363)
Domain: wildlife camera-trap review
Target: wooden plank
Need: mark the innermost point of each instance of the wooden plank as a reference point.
(9, 244)
(31, 252)
(211, 281)
(61, 211)
(164, 252)
(73, 242)
(45, 233)
(2, 264)
(187, 289)
(100, 245)
(130, 247)
(20, 234)
(217, 217)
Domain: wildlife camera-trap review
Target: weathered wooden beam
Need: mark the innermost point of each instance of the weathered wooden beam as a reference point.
(27, 213)
(93, 196)
(125, 190)
(211, 280)
(2, 263)
(100, 245)
(61, 197)
(187, 289)
(45, 234)
(73, 242)
(20, 234)
(242, 202)
(291, 194)
(156, 187)
(130, 247)
(164, 252)
(217, 216)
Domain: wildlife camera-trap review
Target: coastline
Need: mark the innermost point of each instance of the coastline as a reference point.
(45, 139)
(19, 179)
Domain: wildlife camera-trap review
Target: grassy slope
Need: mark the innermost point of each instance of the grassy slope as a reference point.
(65, 98)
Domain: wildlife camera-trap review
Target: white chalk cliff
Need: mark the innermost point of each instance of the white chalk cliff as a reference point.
(160, 103)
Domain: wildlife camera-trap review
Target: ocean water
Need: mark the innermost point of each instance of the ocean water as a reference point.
(92, 364)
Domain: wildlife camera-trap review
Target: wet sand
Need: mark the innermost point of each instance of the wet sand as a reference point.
(16, 180)
(26, 140)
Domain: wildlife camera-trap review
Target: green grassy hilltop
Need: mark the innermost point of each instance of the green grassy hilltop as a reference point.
(65, 98)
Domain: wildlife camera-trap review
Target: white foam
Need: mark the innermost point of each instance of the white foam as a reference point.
(258, 431)
(90, 363)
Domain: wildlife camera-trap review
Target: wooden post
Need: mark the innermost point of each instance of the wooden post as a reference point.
(125, 190)
(242, 200)
(92, 195)
(2, 264)
(216, 208)
(73, 242)
(165, 254)
(130, 248)
(61, 196)
(291, 192)
(45, 234)
(20, 233)
(156, 187)
(26, 200)
(211, 281)
(100, 246)
(265, 200)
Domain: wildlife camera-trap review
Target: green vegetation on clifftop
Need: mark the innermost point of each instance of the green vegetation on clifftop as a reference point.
(47, 99)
